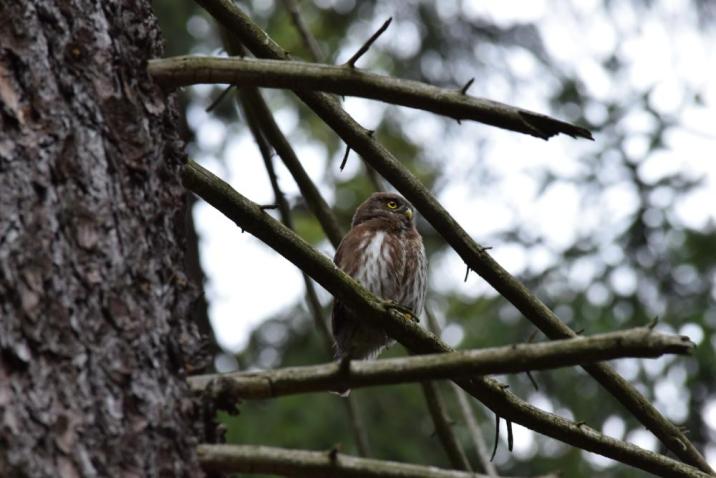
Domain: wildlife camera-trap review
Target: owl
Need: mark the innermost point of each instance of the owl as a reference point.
(384, 252)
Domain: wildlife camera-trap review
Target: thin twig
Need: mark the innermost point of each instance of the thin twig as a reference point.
(315, 201)
(308, 39)
(497, 437)
(219, 98)
(229, 14)
(443, 427)
(189, 70)
(477, 438)
(345, 158)
(364, 48)
(254, 459)
(467, 86)
(465, 409)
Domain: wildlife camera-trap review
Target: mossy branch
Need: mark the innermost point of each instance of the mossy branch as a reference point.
(254, 459)
(638, 342)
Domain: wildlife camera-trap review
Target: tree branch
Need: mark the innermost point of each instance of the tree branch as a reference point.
(364, 48)
(478, 439)
(309, 191)
(638, 342)
(475, 256)
(381, 313)
(443, 427)
(246, 96)
(347, 81)
(314, 464)
(308, 39)
(467, 412)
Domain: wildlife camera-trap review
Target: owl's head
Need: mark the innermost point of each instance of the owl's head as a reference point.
(391, 206)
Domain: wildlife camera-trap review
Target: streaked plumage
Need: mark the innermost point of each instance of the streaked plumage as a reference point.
(384, 252)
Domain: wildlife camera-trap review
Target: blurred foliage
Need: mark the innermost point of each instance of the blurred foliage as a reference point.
(652, 264)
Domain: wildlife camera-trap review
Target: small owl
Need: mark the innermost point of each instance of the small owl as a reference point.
(384, 252)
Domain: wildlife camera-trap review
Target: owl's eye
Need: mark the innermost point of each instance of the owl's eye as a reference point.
(392, 204)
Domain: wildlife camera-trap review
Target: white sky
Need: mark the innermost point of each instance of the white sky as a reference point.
(247, 282)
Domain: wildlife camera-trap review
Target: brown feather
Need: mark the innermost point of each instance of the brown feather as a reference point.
(384, 252)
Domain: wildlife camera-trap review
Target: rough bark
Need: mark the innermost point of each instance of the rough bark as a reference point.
(93, 336)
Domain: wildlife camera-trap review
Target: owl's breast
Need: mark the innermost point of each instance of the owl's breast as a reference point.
(380, 264)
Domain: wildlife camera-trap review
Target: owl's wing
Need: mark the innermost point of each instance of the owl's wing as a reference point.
(347, 259)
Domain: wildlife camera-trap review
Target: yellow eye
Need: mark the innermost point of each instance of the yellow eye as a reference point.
(392, 204)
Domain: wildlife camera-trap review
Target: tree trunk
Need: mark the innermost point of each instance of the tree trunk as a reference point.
(94, 340)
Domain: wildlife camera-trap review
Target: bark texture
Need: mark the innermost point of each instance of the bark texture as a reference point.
(94, 339)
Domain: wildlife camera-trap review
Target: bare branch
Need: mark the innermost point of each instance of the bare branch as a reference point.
(308, 39)
(478, 439)
(189, 70)
(230, 15)
(466, 411)
(363, 49)
(249, 98)
(315, 464)
(638, 342)
(443, 427)
(309, 191)
(383, 314)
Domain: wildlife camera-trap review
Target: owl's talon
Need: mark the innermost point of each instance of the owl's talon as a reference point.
(406, 313)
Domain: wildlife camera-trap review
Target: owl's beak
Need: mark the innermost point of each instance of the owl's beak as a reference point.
(409, 213)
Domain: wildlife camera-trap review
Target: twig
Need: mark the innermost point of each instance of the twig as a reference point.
(475, 432)
(443, 427)
(318, 206)
(345, 158)
(361, 51)
(229, 14)
(189, 70)
(374, 178)
(497, 437)
(467, 86)
(218, 99)
(532, 379)
(381, 313)
(253, 459)
(465, 409)
(308, 39)
(639, 342)
(439, 415)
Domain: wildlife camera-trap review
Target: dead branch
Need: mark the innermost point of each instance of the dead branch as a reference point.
(314, 464)
(347, 81)
(638, 342)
